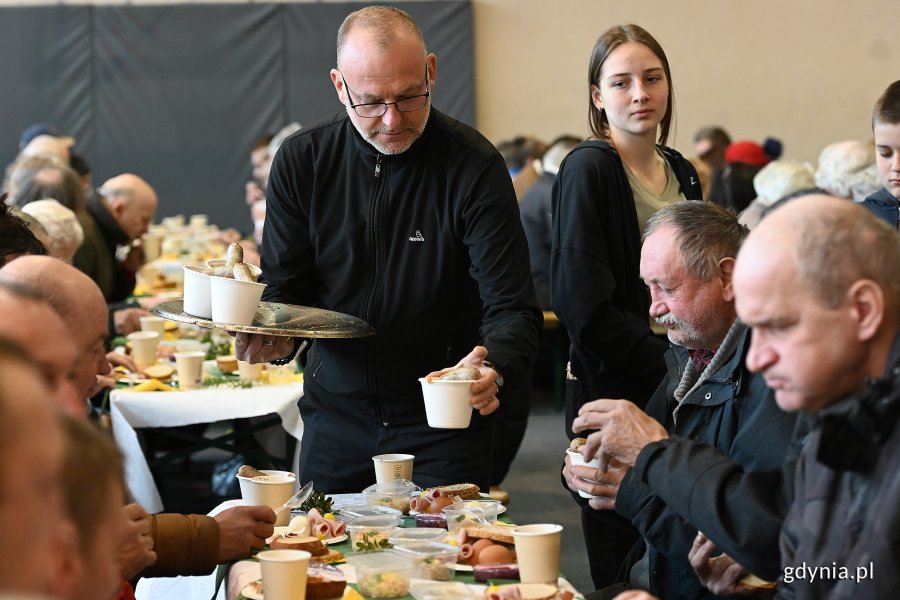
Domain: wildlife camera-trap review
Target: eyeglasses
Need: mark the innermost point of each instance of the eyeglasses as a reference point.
(372, 110)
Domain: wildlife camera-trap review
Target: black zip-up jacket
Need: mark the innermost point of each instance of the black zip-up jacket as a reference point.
(596, 288)
(426, 246)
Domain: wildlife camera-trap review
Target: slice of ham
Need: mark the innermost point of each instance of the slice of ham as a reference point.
(323, 527)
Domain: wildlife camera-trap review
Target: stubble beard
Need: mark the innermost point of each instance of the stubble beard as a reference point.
(392, 148)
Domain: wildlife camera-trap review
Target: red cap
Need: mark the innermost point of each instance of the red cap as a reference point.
(746, 152)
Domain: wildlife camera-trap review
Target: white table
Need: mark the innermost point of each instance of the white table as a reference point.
(134, 410)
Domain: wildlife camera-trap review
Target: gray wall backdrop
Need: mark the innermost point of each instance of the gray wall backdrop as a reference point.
(179, 93)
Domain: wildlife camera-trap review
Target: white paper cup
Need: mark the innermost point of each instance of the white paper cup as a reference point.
(389, 467)
(273, 490)
(234, 302)
(284, 573)
(152, 244)
(447, 403)
(143, 347)
(156, 324)
(537, 552)
(578, 460)
(197, 292)
(189, 366)
(248, 372)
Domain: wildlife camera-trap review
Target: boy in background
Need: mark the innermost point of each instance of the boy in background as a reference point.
(886, 128)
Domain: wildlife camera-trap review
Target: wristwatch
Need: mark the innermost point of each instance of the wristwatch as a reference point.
(499, 380)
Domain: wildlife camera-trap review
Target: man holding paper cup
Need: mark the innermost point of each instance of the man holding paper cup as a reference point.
(709, 395)
(407, 218)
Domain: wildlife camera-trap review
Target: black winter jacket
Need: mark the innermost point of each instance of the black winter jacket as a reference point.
(425, 245)
(732, 411)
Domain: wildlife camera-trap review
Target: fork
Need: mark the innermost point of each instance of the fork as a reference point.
(297, 499)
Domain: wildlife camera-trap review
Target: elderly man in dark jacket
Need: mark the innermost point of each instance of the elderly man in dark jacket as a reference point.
(709, 396)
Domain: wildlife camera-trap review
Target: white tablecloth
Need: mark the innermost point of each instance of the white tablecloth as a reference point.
(132, 410)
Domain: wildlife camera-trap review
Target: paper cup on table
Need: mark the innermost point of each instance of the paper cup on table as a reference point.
(447, 403)
(156, 324)
(143, 347)
(248, 372)
(578, 460)
(197, 292)
(270, 490)
(189, 366)
(389, 467)
(537, 552)
(284, 573)
(152, 244)
(234, 302)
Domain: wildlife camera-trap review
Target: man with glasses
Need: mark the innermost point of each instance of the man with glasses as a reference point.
(402, 216)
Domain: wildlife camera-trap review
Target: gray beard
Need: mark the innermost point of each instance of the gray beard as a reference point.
(380, 147)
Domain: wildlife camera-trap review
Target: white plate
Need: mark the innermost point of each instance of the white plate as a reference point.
(281, 530)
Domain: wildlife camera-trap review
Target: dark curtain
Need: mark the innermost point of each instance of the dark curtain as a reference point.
(179, 93)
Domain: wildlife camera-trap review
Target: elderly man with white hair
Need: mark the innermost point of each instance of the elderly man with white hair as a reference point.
(61, 224)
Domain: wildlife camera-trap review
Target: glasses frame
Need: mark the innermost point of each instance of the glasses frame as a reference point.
(395, 103)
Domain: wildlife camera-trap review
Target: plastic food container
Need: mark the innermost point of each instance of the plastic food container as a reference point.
(460, 517)
(366, 510)
(490, 508)
(413, 536)
(440, 590)
(438, 520)
(394, 494)
(431, 560)
(381, 574)
(372, 532)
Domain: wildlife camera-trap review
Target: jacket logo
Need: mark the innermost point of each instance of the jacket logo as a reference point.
(693, 181)
(418, 237)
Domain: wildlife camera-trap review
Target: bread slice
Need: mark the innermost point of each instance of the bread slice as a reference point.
(159, 371)
(325, 582)
(496, 533)
(227, 364)
(466, 491)
(310, 543)
(754, 583)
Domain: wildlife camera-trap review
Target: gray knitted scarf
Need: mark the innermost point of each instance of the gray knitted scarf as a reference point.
(691, 378)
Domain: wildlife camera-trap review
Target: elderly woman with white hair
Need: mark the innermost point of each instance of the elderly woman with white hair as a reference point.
(61, 225)
(847, 170)
(777, 180)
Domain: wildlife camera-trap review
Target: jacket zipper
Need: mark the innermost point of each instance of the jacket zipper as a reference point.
(376, 276)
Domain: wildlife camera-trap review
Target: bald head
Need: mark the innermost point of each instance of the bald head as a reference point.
(380, 27)
(77, 299)
(831, 243)
(817, 281)
(131, 202)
